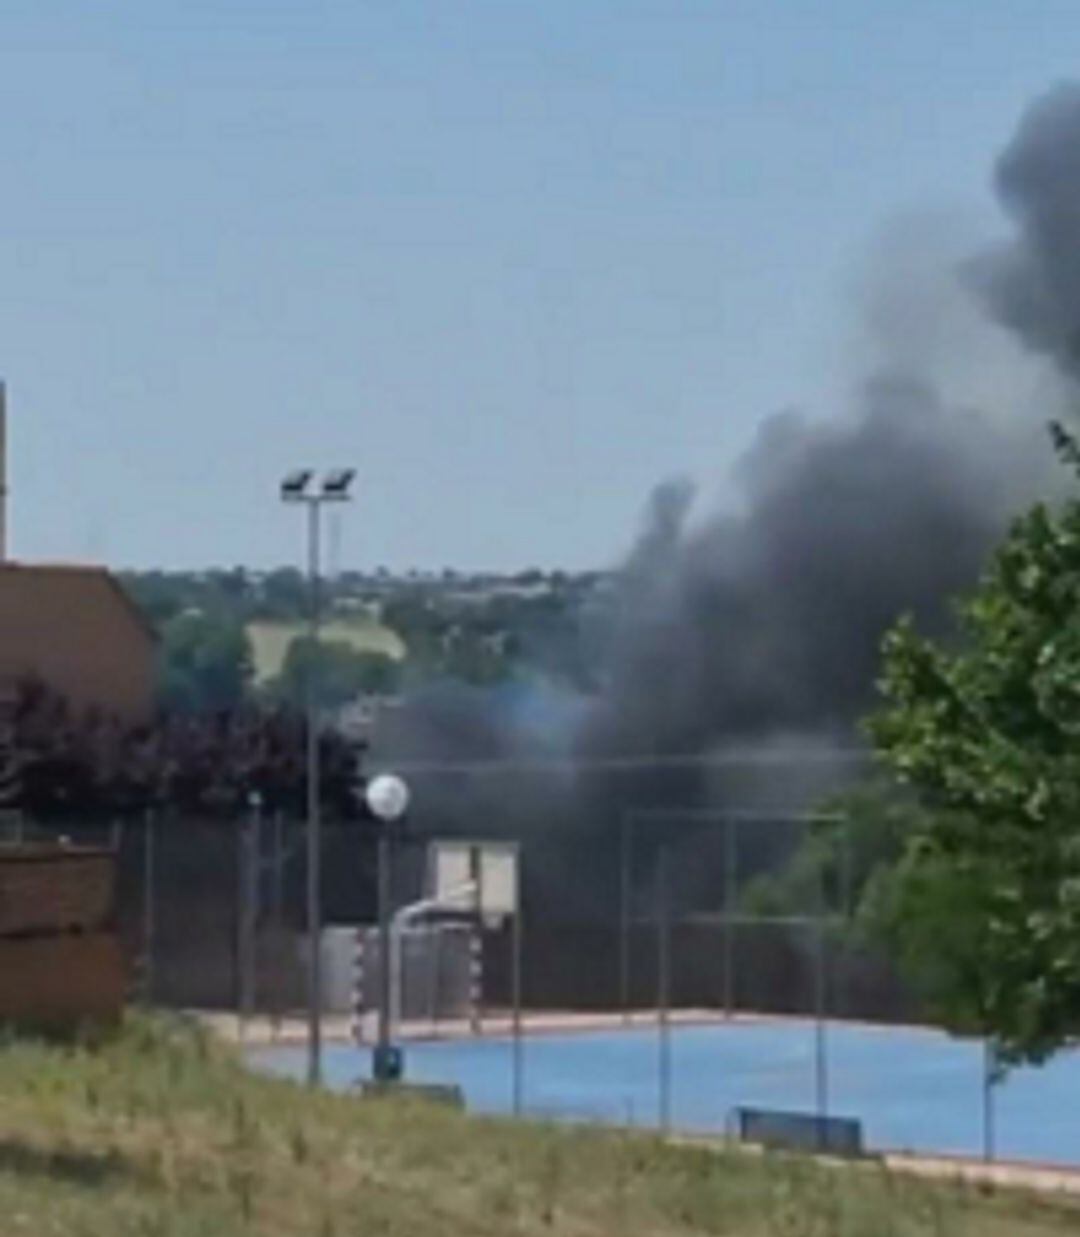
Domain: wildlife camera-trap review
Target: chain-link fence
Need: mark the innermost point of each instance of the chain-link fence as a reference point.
(211, 913)
(685, 967)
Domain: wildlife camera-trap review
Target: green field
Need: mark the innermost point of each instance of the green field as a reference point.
(161, 1131)
(270, 641)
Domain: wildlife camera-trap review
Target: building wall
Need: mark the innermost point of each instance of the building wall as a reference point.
(73, 628)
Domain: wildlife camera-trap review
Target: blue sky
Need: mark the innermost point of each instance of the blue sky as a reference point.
(516, 262)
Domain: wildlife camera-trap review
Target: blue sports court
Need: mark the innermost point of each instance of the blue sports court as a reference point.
(913, 1089)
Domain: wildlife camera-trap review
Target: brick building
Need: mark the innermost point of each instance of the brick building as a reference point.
(76, 630)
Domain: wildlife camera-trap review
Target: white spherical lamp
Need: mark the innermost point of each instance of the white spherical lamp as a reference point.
(387, 796)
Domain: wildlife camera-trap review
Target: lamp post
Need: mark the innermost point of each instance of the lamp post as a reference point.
(387, 797)
(297, 488)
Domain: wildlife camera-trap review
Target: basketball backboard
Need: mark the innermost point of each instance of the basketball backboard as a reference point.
(491, 868)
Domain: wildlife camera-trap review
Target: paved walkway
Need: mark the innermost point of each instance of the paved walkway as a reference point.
(1044, 1178)
(339, 1028)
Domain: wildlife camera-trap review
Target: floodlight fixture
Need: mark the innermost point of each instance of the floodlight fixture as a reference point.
(294, 487)
(336, 484)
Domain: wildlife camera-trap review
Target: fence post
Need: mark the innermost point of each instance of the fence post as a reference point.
(359, 983)
(248, 919)
(989, 1071)
(277, 921)
(434, 970)
(626, 843)
(663, 984)
(519, 1063)
(149, 925)
(731, 853)
(842, 997)
(821, 1078)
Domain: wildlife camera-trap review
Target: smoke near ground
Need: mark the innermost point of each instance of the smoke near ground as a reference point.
(760, 624)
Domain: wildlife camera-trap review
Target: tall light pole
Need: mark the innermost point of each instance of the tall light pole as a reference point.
(297, 488)
(387, 798)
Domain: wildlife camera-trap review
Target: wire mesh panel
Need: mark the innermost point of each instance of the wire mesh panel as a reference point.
(435, 976)
(681, 961)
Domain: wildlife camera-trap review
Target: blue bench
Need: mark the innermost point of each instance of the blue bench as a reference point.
(799, 1131)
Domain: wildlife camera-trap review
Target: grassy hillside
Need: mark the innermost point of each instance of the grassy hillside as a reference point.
(270, 641)
(161, 1132)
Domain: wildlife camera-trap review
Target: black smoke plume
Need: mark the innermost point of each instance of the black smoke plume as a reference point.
(761, 625)
(769, 621)
(1032, 285)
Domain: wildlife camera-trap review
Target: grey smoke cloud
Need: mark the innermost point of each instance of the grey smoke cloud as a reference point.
(1032, 284)
(763, 622)
(770, 619)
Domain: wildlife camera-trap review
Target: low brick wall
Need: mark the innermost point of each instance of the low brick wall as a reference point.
(61, 962)
(57, 983)
(47, 889)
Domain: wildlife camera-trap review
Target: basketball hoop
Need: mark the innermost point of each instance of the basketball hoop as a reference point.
(491, 868)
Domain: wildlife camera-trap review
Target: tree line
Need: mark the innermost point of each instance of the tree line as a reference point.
(58, 763)
(478, 630)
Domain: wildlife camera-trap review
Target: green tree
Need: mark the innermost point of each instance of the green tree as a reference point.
(160, 595)
(411, 614)
(844, 864)
(342, 673)
(284, 595)
(921, 911)
(206, 662)
(930, 916)
(471, 643)
(985, 737)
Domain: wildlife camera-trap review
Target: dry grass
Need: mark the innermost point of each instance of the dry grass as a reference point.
(161, 1131)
